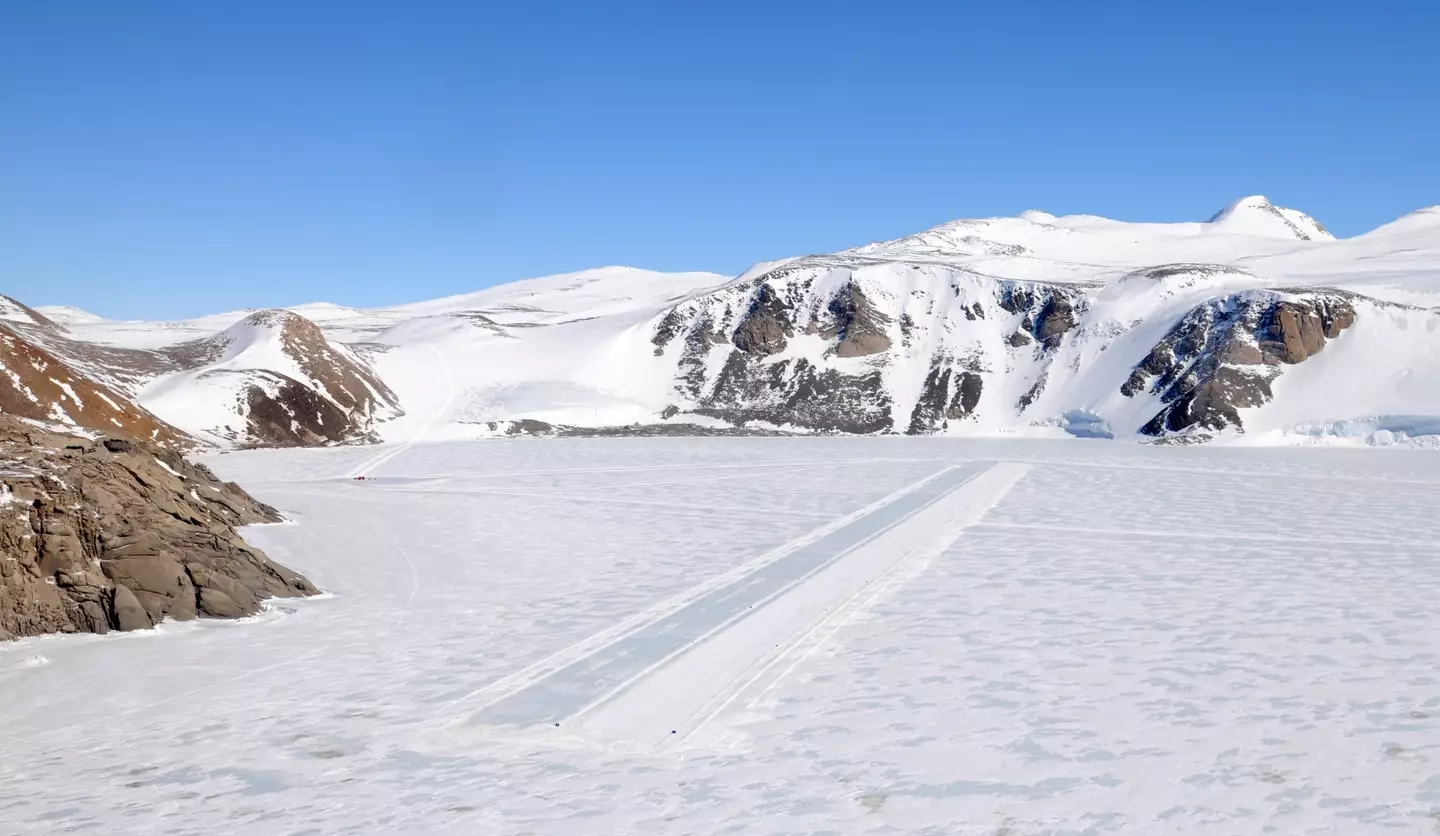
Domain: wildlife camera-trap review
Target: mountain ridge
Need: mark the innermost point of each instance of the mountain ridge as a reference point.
(1030, 324)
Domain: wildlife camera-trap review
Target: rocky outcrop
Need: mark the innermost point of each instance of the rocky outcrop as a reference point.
(37, 384)
(272, 379)
(115, 534)
(1223, 356)
(859, 329)
(16, 312)
(949, 393)
(339, 376)
(283, 412)
(841, 344)
(1048, 312)
(766, 326)
(797, 393)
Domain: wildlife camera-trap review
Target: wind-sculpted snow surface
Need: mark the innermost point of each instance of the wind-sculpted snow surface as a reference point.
(1133, 639)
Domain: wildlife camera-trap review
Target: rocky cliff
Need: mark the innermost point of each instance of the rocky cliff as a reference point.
(100, 534)
(1223, 355)
(845, 343)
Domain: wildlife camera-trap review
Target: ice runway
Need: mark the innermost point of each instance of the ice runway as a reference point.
(603, 675)
(881, 636)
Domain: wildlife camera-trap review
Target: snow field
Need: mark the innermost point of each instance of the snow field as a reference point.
(1131, 640)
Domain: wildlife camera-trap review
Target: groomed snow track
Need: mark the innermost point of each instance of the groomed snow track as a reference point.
(663, 681)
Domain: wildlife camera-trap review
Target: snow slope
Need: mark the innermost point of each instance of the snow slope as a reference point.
(271, 378)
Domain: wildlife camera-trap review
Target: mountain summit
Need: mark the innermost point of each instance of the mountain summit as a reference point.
(1256, 215)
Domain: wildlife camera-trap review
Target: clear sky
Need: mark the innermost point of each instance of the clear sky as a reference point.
(166, 159)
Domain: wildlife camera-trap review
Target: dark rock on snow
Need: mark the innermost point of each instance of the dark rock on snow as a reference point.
(1223, 355)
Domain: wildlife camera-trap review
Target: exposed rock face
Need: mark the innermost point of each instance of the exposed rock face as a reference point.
(859, 327)
(1048, 311)
(861, 337)
(37, 384)
(797, 393)
(15, 311)
(283, 412)
(1224, 354)
(949, 394)
(273, 379)
(339, 376)
(839, 344)
(766, 325)
(119, 534)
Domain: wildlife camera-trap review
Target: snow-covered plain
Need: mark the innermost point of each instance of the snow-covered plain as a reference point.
(1088, 638)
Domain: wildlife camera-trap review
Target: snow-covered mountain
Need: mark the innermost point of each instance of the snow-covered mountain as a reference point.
(1256, 324)
(272, 378)
(1083, 324)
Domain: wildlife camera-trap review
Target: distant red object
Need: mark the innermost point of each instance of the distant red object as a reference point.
(359, 478)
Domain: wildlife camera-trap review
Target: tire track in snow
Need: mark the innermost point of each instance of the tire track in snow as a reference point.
(506, 686)
(746, 691)
(674, 700)
(667, 672)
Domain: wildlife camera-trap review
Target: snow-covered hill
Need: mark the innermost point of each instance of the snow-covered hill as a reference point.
(37, 385)
(274, 379)
(1257, 321)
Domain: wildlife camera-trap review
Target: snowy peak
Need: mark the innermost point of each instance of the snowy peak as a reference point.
(68, 314)
(1421, 221)
(970, 237)
(1256, 215)
(13, 310)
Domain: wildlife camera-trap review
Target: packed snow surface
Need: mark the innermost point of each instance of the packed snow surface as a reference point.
(863, 635)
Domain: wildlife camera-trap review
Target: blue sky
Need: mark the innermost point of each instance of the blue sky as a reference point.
(166, 159)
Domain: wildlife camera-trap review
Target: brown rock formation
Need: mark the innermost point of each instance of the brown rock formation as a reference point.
(860, 327)
(119, 534)
(35, 383)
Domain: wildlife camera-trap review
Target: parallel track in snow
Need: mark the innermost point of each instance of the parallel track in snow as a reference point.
(663, 676)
